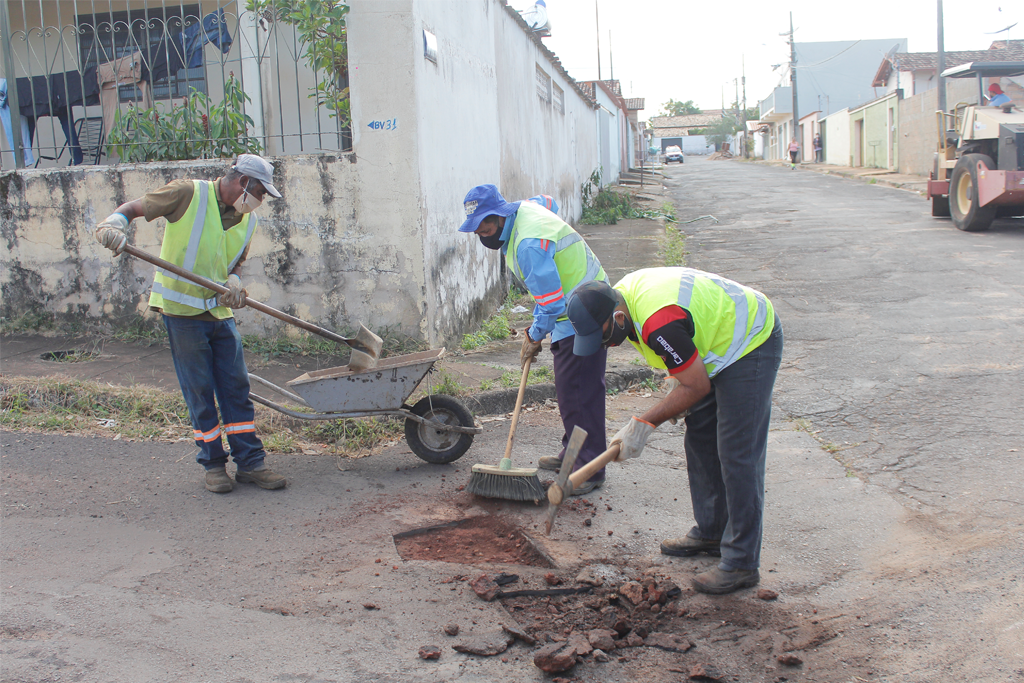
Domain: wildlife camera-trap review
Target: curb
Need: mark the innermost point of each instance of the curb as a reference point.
(500, 401)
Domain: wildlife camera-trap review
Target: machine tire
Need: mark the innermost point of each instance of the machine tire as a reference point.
(432, 445)
(940, 206)
(963, 205)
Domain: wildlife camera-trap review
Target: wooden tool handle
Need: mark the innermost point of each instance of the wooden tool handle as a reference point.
(587, 471)
(518, 408)
(252, 303)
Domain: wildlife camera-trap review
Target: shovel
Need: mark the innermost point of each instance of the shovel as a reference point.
(365, 345)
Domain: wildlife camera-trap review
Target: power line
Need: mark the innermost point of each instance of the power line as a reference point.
(832, 57)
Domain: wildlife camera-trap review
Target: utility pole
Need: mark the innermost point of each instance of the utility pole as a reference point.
(611, 62)
(743, 71)
(942, 64)
(792, 79)
(597, 23)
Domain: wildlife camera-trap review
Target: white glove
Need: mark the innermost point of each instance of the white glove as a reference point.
(110, 233)
(235, 297)
(632, 438)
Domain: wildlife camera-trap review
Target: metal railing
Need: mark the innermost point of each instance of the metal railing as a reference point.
(102, 81)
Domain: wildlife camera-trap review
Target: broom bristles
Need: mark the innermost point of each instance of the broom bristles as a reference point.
(520, 484)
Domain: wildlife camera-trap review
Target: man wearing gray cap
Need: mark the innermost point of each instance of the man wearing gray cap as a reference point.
(209, 227)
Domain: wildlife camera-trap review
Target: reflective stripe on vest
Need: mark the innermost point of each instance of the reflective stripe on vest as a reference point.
(724, 328)
(202, 251)
(575, 264)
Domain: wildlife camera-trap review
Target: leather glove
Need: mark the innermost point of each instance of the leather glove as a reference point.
(530, 349)
(235, 297)
(668, 385)
(111, 233)
(632, 438)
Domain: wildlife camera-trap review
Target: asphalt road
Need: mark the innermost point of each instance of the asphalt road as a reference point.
(893, 505)
(904, 354)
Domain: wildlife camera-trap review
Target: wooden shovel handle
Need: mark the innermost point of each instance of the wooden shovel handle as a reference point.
(519, 407)
(252, 303)
(587, 471)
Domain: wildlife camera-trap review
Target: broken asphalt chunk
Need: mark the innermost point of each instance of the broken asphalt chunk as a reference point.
(602, 639)
(671, 642)
(485, 646)
(430, 652)
(705, 672)
(484, 587)
(519, 634)
(555, 658)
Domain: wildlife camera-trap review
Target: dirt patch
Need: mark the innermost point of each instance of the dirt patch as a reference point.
(478, 540)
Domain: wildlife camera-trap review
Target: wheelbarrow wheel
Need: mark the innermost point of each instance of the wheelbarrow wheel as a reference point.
(435, 445)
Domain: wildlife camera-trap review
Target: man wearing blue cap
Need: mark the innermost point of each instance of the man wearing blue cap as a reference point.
(721, 344)
(209, 227)
(551, 258)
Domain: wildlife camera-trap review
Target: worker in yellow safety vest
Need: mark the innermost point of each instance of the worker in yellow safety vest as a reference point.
(209, 227)
(552, 260)
(721, 344)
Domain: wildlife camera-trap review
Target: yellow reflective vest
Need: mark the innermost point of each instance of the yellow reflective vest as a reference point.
(574, 260)
(199, 243)
(729, 319)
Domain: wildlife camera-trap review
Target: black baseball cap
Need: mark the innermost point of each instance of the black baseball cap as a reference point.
(589, 307)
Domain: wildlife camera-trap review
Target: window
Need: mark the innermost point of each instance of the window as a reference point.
(543, 85)
(110, 35)
(559, 100)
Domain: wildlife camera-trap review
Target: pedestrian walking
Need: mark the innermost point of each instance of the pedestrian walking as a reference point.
(817, 148)
(794, 152)
(552, 259)
(209, 227)
(721, 343)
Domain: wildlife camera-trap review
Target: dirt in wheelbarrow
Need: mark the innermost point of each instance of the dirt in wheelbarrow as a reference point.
(477, 540)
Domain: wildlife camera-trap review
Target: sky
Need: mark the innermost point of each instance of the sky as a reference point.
(685, 50)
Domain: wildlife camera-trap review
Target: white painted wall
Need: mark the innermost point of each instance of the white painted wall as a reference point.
(837, 138)
(474, 117)
(609, 136)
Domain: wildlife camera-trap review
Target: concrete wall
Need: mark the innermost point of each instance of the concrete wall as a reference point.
(918, 129)
(369, 237)
(836, 134)
(312, 254)
(609, 136)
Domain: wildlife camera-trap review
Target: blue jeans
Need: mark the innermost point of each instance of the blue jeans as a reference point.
(209, 363)
(726, 444)
(580, 388)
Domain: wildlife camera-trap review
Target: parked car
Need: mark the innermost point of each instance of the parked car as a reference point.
(674, 153)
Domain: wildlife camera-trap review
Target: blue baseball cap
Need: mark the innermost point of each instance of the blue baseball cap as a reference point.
(589, 308)
(483, 201)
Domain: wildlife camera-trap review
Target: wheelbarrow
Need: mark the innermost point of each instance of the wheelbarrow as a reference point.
(438, 429)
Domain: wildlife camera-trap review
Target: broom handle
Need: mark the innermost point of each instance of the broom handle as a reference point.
(519, 407)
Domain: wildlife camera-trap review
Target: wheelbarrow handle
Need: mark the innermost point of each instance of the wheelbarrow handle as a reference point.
(252, 303)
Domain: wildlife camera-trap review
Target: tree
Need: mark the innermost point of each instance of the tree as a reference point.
(721, 131)
(323, 33)
(674, 108)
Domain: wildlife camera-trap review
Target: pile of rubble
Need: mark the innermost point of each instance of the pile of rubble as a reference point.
(598, 620)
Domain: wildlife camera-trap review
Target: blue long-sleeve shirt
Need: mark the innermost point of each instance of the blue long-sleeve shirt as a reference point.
(536, 259)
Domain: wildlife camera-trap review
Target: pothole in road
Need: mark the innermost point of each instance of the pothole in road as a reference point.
(68, 356)
(477, 540)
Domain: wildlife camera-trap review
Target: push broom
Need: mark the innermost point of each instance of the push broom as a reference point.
(505, 481)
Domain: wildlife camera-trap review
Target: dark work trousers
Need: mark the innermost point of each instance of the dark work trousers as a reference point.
(579, 385)
(726, 444)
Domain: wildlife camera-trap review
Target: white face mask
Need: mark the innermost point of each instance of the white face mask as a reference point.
(246, 202)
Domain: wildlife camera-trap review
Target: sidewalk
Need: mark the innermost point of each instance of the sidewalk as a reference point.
(902, 181)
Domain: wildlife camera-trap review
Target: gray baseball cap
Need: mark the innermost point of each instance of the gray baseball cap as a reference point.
(258, 168)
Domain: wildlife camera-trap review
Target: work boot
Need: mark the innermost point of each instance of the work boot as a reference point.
(586, 487)
(688, 546)
(549, 462)
(218, 481)
(719, 581)
(265, 478)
